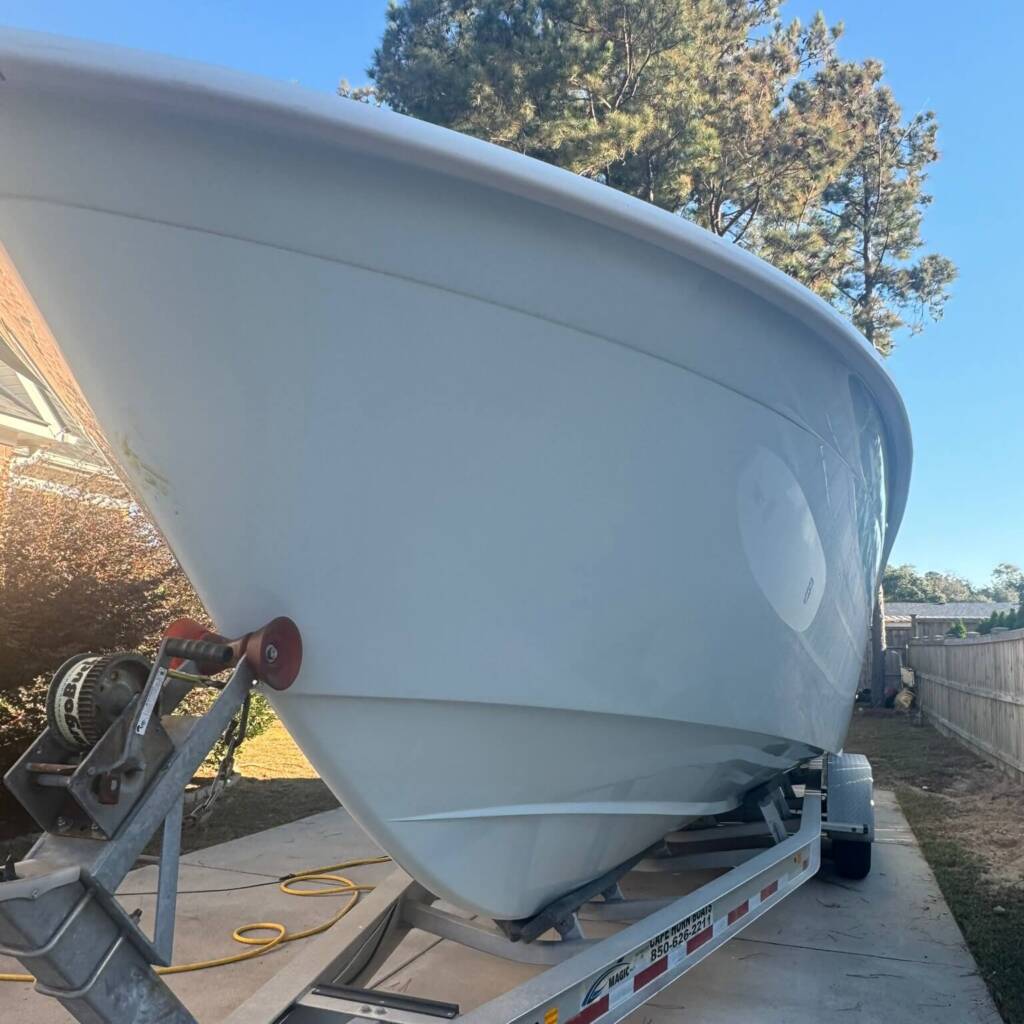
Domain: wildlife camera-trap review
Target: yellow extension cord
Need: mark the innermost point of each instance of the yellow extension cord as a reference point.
(341, 886)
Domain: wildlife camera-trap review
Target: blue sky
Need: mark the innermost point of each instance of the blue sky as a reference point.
(962, 379)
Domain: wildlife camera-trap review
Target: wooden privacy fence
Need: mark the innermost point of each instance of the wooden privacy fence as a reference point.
(974, 689)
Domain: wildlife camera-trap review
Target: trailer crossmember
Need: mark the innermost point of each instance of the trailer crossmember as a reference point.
(587, 981)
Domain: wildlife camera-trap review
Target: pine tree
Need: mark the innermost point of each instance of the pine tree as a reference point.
(713, 109)
(872, 215)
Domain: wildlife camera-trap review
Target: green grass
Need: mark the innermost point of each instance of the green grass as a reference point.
(941, 788)
(995, 939)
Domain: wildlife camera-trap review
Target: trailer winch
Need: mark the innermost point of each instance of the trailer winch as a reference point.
(89, 692)
(110, 770)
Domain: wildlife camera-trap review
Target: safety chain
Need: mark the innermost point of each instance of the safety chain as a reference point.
(233, 737)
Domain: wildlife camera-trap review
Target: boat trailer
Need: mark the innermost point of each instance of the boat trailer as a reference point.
(112, 767)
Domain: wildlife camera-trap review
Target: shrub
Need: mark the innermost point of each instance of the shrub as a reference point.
(958, 629)
(81, 570)
(261, 717)
(22, 718)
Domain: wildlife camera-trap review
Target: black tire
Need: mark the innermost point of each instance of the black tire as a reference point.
(852, 859)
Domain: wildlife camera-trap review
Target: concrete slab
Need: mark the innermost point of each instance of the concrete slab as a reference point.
(310, 842)
(221, 888)
(886, 949)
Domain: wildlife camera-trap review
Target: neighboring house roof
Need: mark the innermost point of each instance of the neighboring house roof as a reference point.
(903, 610)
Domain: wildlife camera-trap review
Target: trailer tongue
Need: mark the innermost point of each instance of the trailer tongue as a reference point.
(112, 768)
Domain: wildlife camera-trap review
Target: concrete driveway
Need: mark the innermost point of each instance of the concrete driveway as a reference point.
(884, 950)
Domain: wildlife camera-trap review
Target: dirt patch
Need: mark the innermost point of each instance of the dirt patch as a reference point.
(983, 802)
(968, 817)
(277, 785)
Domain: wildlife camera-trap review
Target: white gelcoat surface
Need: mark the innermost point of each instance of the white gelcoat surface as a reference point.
(489, 433)
(780, 539)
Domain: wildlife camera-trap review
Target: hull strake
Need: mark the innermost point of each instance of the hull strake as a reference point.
(609, 785)
(581, 537)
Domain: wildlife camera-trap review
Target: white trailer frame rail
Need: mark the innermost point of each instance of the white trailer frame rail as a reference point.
(587, 981)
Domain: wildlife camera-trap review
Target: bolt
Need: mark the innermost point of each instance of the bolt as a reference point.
(270, 653)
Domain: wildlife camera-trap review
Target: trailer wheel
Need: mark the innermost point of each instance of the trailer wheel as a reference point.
(852, 859)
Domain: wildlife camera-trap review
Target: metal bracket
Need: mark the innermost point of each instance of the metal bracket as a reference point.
(560, 915)
(775, 809)
(71, 799)
(77, 993)
(71, 880)
(844, 828)
(384, 1007)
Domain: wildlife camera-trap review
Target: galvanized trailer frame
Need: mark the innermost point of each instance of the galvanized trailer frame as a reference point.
(587, 981)
(59, 915)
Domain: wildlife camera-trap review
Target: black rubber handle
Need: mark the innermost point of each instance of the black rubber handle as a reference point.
(198, 650)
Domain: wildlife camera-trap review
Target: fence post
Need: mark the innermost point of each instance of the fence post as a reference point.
(877, 647)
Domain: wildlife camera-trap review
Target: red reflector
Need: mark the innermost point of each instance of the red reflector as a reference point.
(591, 1012)
(737, 912)
(699, 939)
(769, 890)
(648, 974)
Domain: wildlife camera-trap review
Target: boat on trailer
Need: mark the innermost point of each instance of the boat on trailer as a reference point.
(580, 510)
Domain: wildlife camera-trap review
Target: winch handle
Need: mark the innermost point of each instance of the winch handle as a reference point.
(274, 652)
(199, 651)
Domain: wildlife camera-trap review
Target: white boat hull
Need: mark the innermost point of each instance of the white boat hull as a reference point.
(580, 518)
